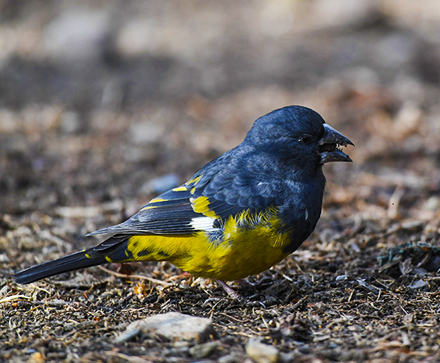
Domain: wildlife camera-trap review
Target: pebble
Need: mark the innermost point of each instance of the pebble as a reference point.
(203, 350)
(432, 204)
(145, 132)
(261, 353)
(127, 335)
(173, 326)
(77, 35)
(70, 122)
(4, 290)
(229, 358)
(419, 284)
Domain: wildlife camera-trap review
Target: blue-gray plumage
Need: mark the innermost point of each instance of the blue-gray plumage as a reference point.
(238, 215)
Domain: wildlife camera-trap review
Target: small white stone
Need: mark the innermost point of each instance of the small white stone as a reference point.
(419, 284)
(127, 335)
(203, 350)
(77, 35)
(145, 132)
(261, 353)
(174, 326)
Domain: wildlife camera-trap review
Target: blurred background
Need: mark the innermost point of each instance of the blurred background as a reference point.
(104, 104)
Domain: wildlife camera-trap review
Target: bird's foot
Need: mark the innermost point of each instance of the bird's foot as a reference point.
(234, 295)
(249, 300)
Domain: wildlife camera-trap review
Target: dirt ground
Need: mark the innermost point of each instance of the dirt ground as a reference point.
(104, 104)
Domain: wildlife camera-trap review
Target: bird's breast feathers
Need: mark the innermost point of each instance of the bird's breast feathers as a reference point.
(242, 245)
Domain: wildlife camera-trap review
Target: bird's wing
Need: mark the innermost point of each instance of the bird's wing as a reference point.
(182, 210)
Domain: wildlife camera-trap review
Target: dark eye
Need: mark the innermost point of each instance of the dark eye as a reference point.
(305, 139)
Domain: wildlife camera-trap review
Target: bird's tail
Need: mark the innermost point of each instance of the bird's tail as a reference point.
(94, 256)
(71, 262)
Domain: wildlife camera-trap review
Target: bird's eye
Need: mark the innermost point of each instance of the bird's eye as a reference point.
(305, 139)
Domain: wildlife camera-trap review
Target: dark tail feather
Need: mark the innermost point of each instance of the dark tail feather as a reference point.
(71, 262)
(112, 249)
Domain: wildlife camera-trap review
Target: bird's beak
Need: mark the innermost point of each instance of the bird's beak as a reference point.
(330, 143)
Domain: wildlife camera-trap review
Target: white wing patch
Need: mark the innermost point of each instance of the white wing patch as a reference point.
(203, 224)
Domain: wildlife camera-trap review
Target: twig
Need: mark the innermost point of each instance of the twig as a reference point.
(128, 358)
(298, 303)
(14, 298)
(141, 277)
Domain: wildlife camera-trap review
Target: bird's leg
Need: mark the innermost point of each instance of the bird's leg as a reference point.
(236, 296)
(231, 292)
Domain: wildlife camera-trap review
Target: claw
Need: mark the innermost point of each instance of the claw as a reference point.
(234, 295)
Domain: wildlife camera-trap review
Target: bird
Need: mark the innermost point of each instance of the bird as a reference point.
(237, 216)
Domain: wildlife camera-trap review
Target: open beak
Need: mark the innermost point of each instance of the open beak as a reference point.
(330, 144)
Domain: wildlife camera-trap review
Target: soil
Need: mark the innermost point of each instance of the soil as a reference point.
(104, 105)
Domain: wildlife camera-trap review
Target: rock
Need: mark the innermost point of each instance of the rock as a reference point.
(128, 335)
(173, 326)
(419, 284)
(261, 353)
(145, 132)
(70, 122)
(203, 350)
(341, 277)
(230, 358)
(77, 35)
(432, 204)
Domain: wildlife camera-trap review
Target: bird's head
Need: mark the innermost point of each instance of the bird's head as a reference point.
(298, 136)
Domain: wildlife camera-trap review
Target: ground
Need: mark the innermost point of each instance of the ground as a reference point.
(103, 105)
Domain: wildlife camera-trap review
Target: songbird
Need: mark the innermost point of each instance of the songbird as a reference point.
(240, 214)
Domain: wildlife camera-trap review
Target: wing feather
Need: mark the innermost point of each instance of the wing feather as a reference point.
(201, 204)
(174, 212)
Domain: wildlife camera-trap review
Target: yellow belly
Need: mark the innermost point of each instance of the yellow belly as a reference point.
(240, 253)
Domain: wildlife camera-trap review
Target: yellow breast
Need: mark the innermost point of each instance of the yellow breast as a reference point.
(241, 251)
